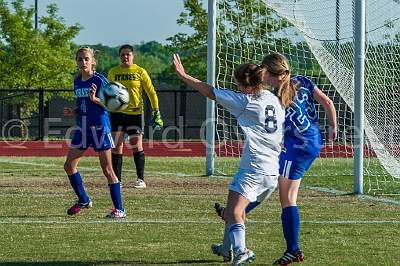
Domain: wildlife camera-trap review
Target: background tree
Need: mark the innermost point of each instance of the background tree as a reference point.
(106, 57)
(152, 56)
(35, 58)
(192, 48)
(251, 18)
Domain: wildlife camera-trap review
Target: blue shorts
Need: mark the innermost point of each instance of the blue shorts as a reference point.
(97, 137)
(294, 163)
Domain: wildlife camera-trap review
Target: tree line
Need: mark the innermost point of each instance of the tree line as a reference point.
(44, 57)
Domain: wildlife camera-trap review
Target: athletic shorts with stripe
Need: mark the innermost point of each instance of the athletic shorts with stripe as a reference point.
(295, 162)
(97, 137)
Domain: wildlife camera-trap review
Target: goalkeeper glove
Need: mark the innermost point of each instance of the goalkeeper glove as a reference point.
(156, 121)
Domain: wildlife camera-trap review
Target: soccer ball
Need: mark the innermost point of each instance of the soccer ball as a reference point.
(114, 97)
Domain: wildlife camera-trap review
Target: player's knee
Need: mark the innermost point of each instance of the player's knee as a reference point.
(234, 216)
(288, 200)
(136, 149)
(291, 202)
(68, 167)
(118, 149)
(108, 172)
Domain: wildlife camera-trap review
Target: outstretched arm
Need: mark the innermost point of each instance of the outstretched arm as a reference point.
(330, 110)
(192, 82)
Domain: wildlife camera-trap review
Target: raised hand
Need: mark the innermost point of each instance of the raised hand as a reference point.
(180, 70)
(193, 82)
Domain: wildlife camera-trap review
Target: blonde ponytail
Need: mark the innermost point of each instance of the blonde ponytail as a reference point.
(287, 91)
(277, 65)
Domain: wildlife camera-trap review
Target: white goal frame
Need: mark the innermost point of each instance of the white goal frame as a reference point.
(359, 62)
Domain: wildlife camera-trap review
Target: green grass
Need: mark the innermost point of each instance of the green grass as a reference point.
(172, 221)
(337, 174)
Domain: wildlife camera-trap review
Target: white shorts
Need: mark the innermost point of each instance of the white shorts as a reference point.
(254, 186)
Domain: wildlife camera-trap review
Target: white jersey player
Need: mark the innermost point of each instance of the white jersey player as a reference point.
(261, 117)
(261, 120)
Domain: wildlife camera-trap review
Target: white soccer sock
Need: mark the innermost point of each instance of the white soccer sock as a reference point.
(237, 235)
(226, 243)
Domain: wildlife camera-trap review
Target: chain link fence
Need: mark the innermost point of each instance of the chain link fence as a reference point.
(182, 109)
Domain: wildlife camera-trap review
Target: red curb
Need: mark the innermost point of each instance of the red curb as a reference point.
(60, 148)
(152, 148)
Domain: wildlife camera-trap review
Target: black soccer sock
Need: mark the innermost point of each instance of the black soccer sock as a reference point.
(138, 157)
(117, 165)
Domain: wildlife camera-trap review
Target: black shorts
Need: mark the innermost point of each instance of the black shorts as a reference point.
(130, 124)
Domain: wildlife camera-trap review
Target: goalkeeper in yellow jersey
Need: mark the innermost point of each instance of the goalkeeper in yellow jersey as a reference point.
(130, 120)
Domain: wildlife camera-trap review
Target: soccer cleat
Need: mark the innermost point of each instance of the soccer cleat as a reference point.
(217, 250)
(288, 258)
(139, 183)
(116, 214)
(219, 210)
(78, 206)
(246, 256)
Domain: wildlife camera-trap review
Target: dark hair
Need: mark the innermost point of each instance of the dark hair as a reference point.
(277, 64)
(251, 76)
(126, 46)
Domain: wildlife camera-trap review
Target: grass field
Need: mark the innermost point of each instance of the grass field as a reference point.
(172, 222)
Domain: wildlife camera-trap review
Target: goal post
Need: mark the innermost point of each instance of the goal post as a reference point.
(359, 66)
(210, 109)
(324, 40)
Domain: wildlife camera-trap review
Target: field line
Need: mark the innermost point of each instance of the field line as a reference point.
(48, 165)
(364, 197)
(320, 189)
(127, 221)
(13, 161)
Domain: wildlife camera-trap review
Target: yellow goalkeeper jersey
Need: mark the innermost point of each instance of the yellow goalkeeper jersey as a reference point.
(136, 80)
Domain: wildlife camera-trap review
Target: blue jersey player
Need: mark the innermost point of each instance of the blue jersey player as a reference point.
(302, 145)
(93, 130)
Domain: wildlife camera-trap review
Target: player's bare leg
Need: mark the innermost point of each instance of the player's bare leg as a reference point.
(75, 179)
(234, 215)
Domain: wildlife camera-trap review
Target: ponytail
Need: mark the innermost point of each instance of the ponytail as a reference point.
(251, 77)
(277, 65)
(287, 91)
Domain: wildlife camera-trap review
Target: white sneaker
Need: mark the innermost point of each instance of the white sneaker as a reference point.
(116, 214)
(242, 257)
(217, 250)
(139, 183)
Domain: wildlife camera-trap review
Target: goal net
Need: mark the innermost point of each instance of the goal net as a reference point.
(317, 37)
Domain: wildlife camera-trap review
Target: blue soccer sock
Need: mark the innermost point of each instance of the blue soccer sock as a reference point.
(115, 192)
(291, 227)
(77, 185)
(251, 206)
(237, 235)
